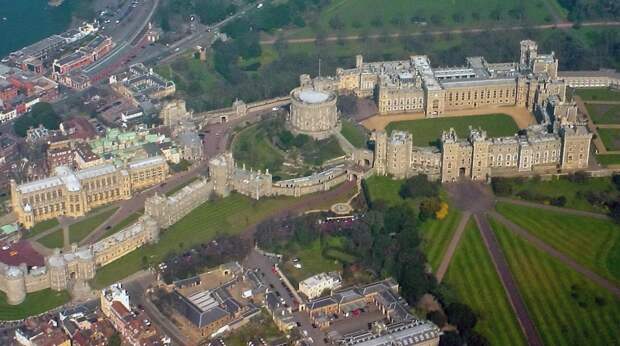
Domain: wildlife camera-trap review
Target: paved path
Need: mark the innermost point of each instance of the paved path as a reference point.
(603, 102)
(510, 286)
(542, 246)
(456, 238)
(564, 25)
(554, 208)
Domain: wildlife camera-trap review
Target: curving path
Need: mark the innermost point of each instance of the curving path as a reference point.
(542, 246)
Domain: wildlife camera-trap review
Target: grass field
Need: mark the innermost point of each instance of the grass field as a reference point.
(604, 113)
(428, 131)
(567, 308)
(385, 189)
(229, 215)
(353, 16)
(35, 303)
(77, 231)
(607, 160)
(473, 277)
(42, 227)
(124, 223)
(437, 235)
(598, 94)
(572, 191)
(611, 138)
(588, 241)
(354, 134)
(313, 261)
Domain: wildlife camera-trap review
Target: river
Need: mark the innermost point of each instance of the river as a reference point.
(23, 22)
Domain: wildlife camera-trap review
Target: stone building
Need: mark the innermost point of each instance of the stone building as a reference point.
(412, 85)
(168, 210)
(75, 193)
(478, 157)
(313, 112)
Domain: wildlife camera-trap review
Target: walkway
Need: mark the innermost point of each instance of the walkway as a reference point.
(522, 117)
(554, 208)
(71, 221)
(510, 286)
(563, 25)
(454, 242)
(542, 246)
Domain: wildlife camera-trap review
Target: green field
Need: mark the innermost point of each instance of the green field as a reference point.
(611, 138)
(607, 160)
(229, 215)
(572, 191)
(313, 260)
(42, 227)
(353, 16)
(598, 94)
(428, 131)
(381, 188)
(604, 113)
(124, 223)
(588, 241)
(473, 277)
(567, 308)
(77, 231)
(35, 303)
(437, 235)
(261, 326)
(354, 134)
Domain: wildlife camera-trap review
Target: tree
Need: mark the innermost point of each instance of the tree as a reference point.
(41, 113)
(502, 186)
(429, 207)
(437, 317)
(462, 316)
(419, 186)
(115, 340)
(336, 23)
(450, 339)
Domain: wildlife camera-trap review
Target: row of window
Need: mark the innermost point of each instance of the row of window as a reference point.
(456, 96)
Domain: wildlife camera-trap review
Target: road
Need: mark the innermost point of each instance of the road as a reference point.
(563, 25)
(136, 286)
(124, 34)
(265, 265)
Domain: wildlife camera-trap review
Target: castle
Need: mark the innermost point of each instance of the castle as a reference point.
(478, 157)
(408, 86)
(75, 193)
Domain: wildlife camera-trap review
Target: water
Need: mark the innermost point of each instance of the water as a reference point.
(28, 21)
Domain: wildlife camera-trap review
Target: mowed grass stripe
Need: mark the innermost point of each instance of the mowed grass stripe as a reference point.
(473, 276)
(562, 302)
(437, 235)
(587, 240)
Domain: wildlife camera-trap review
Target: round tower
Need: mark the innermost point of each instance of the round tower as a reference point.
(86, 264)
(15, 286)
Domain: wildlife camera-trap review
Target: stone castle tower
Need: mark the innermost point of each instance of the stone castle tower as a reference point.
(575, 147)
(480, 168)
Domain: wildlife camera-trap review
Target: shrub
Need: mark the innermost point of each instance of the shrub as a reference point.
(502, 186)
(442, 212)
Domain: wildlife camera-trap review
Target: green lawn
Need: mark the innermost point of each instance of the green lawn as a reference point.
(598, 94)
(124, 223)
(588, 241)
(35, 303)
(354, 134)
(381, 188)
(611, 138)
(567, 308)
(313, 260)
(607, 160)
(476, 283)
(604, 113)
(354, 16)
(80, 230)
(229, 215)
(42, 227)
(572, 191)
(437, 235)
(428, 131)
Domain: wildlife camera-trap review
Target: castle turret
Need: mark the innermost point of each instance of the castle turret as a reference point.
(151, 228)
(15, 285)
(57, 271)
